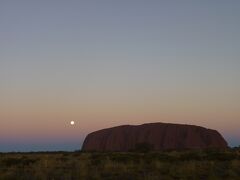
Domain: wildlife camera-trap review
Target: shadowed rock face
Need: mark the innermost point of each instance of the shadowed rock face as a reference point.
(161, 136)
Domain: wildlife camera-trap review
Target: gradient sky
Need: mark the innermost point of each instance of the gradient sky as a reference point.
(106, 63)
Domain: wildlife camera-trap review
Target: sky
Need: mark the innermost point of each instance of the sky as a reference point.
(107, 63)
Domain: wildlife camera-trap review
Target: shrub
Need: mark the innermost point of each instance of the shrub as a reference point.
(143, 147)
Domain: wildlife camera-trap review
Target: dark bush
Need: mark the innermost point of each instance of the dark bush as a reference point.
(24, 161)
(143, 147)
(191, 155)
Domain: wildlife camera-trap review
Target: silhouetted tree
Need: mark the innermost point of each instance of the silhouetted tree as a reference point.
(143, 147)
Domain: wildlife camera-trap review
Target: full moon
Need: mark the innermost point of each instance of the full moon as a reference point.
(72, 122)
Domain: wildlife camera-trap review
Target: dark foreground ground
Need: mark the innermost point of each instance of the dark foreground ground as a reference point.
(205, 164)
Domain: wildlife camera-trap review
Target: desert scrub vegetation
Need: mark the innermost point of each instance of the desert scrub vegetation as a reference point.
(146, 165)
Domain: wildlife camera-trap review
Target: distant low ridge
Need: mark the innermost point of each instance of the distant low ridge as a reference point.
(160, 136)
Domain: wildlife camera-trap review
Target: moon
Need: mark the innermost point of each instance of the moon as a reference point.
(72, 123)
